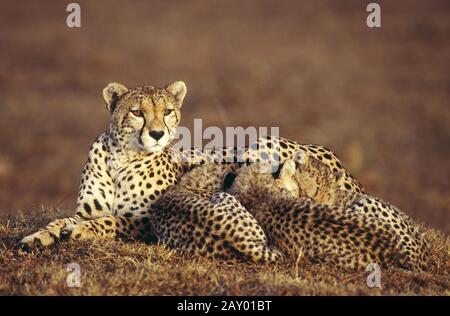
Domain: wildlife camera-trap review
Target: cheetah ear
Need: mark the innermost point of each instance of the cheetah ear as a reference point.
(112, 94)
(301, 158)
(288, 169)
(228, 180)
(178, 90)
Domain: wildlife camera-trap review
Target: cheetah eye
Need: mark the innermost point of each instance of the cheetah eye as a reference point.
(137, 113)
(168, 112)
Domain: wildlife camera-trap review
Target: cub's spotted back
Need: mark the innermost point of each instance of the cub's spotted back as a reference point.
(331, 234)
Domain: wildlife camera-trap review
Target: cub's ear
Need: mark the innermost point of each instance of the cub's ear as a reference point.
(301, 158)
(228, 180)
(178, 90)
(112, 94)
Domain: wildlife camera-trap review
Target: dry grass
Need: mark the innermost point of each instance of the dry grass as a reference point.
(118, 268)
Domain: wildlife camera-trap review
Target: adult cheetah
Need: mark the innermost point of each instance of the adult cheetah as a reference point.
(133, 164)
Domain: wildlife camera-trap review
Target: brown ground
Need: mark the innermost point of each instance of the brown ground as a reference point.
(378, 97)
(119, 268)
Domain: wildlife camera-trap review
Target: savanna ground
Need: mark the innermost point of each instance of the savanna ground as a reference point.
(134, 268)
(378, 97)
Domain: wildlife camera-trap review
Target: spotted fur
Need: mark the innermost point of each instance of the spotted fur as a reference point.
(316, 181)
(194, 217)
(345, 237)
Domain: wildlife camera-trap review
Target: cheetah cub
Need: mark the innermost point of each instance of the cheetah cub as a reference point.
(195, 217)
(314, 179)
(326, 234)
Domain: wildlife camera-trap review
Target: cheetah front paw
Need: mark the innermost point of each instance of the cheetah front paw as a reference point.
(42, 238)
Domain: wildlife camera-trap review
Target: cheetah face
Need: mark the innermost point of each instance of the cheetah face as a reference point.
(249, 181)
(287, 180)
(309, 177)
(144, 118)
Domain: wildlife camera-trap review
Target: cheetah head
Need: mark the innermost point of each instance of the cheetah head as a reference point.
(144, 118)
(308, 177)
(249, 183)
(299, 178)
(206, 179)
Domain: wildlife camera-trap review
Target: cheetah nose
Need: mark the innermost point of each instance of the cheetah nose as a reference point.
(64, 235)
(156, 134)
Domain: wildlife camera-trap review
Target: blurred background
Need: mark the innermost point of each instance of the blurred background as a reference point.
(379, 98)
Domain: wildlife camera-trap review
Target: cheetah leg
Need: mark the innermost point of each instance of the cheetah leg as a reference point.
(246, 238)
(51, 233)
(48, 235)
(252, 247)
(256, 251)
(94, 198)
(110, 227)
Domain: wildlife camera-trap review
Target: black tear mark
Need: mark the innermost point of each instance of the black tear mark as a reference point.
(114, 99)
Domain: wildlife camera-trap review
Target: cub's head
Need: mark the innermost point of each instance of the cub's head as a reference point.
(308, 177)
(206, 179)
(144, 118)
(302, 177)
(253, 183)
